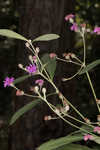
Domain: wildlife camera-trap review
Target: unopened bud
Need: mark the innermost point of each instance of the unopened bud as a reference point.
(60, 96)
(83, 27)
(98, 118)
(19, 93)
(73, 55)
(30, 41)
(20, 66)
(87, 120)
(47, 118)
(57, 111)
(71, 20)
(67, 57)
(36, 89)
(30, 58)
(88, 30)
(27, 44)
(98, 101)
(37, 50)
(67, 108)
(43, 90)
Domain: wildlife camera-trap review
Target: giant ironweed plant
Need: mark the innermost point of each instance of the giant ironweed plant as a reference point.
(44, 68)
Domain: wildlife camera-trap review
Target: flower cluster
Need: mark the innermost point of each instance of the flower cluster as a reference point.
(75, 27)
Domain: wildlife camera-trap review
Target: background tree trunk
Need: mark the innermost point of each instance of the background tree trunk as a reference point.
(39, 17)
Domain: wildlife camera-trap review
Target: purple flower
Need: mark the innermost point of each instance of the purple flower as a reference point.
(88, 137)
(31, 68)
(74, 27)
(39, 82)
(68, 17)
(97, 30)
(8, 81)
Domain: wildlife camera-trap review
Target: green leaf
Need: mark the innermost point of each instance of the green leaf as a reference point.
(12, 34)
(54, 144)
(23, 110)
(46, 37)
(90, 66)
(96, 139)
(50, 64)
(20, 79)
(75, 147)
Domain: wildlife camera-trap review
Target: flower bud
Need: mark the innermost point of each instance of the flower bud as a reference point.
(98, 101)
(67, 57)
(19, 93)
(71, 20)
(47, 118)
(60, 96)
(20, 66)
(67, 108)
(57, 111)
(43, 90)
(72, 55)
(98, 118)
(87, 120)
(36, 89)
(30, 58)
(27, 44)
(30, 41)
(37, 50)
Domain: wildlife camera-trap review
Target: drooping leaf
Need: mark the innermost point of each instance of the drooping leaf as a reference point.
(20, 79)
(96, 139)
(75, 147)
(46, 37)
(12, 34)
(90, 66)
(23, 110)
(55, 144)
(50, 64)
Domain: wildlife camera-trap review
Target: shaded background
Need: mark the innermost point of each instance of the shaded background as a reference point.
(32, 22)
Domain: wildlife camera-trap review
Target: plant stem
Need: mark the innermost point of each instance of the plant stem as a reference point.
(92, 88)
(88, 76)
(73, 125)
(67, 100)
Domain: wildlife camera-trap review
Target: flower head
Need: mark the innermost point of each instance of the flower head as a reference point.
(96, 30)
(88, 137)
(31, 68)
(39, 82)
(97, 129)
(74, 27)
(68, 17)
(8, 81)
